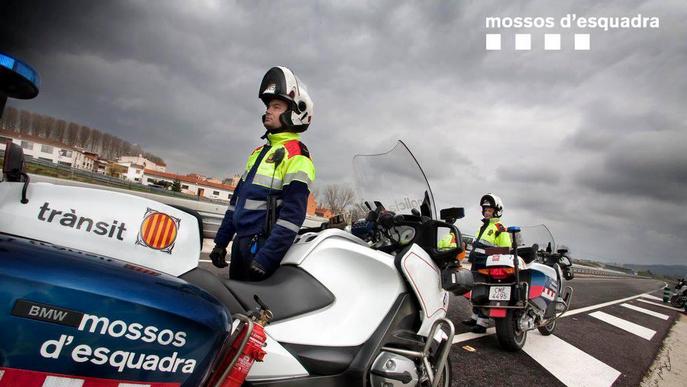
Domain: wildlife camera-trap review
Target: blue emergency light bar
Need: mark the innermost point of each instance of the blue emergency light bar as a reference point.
(18, 80)
(20, 68)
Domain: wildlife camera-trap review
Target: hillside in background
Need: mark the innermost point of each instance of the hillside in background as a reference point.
(72, 134)
(676, 271)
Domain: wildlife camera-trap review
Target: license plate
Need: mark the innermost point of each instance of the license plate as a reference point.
(499, 293)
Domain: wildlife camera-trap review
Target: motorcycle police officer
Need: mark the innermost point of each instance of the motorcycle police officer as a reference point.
(491, 234)
(269, 204)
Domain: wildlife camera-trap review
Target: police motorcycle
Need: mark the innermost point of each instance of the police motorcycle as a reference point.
(524, 288)
(101, 288)
(679, 296)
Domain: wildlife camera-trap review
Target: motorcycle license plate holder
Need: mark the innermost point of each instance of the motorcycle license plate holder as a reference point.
(499, 293)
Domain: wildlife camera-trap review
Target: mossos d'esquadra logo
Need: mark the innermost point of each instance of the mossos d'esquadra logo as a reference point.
(158, 231)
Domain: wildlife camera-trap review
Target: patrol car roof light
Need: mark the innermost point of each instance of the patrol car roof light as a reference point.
(17, 80)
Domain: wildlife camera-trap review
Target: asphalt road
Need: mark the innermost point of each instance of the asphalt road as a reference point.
(584, 350)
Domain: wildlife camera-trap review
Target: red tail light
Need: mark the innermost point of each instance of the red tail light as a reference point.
(500, 273)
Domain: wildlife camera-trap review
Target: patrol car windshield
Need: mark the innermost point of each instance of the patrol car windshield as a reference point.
(538, 234)
(393, 178)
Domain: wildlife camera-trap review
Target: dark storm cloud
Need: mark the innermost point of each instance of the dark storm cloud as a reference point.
(528, 174)
(591, 143)
(645, 165)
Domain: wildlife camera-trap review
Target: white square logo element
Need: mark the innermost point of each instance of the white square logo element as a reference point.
(552, 41)
(493, 42)
(523, 42)
(582, 42)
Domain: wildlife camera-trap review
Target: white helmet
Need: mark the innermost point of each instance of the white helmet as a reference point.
(280, 82)
(492, 201)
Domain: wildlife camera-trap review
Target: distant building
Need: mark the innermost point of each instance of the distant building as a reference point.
(140, 160)
(50, 150)
(192, 184)
(314, 209)
(134, 172)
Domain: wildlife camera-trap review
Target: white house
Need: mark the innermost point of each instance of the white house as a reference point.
(140, 160)
(134, 171)
(50, 150)
(191, 184)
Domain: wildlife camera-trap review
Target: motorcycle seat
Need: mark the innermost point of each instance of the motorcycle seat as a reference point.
(209, 282)
(289, 292)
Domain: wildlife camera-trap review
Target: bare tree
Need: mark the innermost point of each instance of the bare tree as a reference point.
(107, 146)
(36, 124)
(84, 136)
(72, 134)
(49, 126)
(10, 119)
(24, 122)
(96, 141)
(337, 197)
(116, 147)
(60, 129)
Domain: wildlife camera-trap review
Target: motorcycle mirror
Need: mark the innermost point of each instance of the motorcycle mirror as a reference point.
(562, 249)
(426, 206)
(13, 163)
(17, 80)
(450, 215)
(513, 229)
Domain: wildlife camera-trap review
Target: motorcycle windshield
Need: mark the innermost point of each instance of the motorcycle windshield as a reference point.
(395, 179)
(538, 234)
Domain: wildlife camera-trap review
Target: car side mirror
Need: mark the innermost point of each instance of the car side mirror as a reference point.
(450, 215)
(13, 163)
(17, 80)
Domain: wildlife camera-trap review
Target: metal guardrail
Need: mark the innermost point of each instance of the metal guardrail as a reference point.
(594, 271)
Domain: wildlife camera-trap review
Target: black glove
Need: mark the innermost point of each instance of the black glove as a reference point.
(257, 272)
(218, 256)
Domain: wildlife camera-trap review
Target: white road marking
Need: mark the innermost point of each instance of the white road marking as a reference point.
(57, 381)
(661, 305)
(652, 297)
(567, 363)
(469, 335)
(588, 308)
(646, 311)
(625, 325)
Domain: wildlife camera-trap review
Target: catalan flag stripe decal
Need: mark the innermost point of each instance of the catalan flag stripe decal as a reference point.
(161, 239)
(158, 230)
(151, 227)
(158, 220)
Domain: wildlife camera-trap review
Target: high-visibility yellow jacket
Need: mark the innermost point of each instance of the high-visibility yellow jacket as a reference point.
(281, 168)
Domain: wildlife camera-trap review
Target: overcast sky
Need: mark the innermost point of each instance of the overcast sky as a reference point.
(591, 143)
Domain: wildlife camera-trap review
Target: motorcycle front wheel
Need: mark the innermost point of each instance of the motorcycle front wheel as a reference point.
(508, 332)
(547, 329)
(677, 301)
(444, 376)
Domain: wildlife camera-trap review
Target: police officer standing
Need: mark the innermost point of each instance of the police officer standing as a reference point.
(269, 204)
(491, 234)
